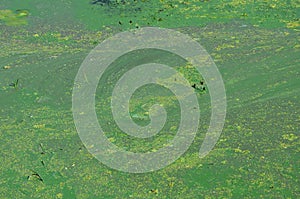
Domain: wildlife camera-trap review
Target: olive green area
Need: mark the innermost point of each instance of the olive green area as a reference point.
(255, 46)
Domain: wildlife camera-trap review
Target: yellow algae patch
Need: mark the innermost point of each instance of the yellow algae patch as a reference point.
(39, 126)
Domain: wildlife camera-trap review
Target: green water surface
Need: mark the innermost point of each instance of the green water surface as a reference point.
(255, 45)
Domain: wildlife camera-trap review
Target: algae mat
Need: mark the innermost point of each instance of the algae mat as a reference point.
(256, 48)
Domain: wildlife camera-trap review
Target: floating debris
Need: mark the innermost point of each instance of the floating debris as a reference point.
(199, 88)
(36, 175)
(42, 148)
(14, 84)
(154, 191)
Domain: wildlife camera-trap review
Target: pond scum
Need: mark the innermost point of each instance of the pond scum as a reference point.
(255, 45)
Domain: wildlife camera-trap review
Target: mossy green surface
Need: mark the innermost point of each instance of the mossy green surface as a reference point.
(256, 48)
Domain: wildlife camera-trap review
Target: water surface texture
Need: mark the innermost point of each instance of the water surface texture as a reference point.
(255, 46)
